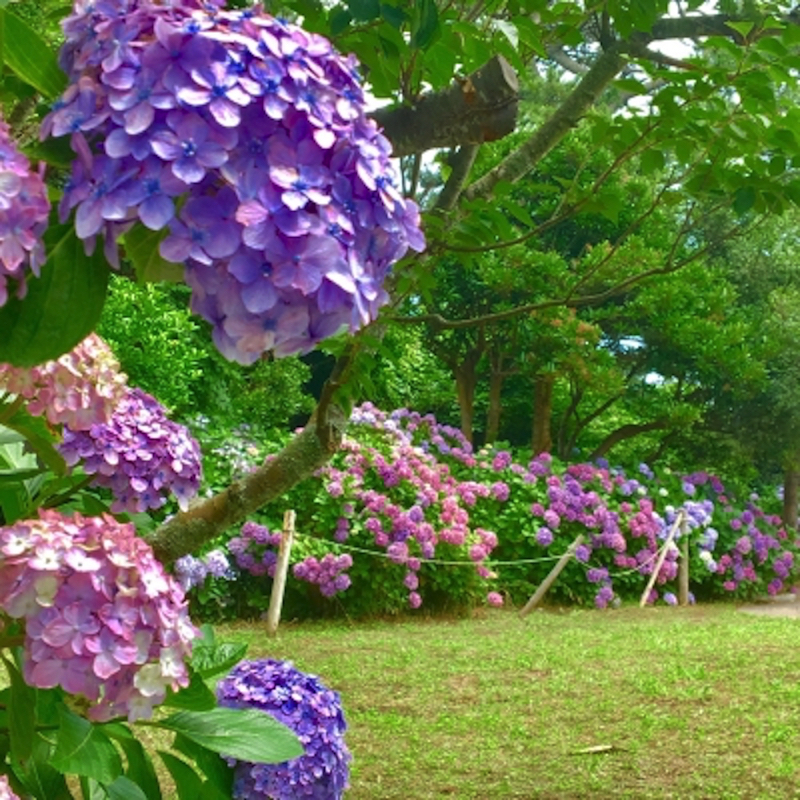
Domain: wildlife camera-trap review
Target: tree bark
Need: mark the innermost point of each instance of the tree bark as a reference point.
(541, 436)
(626, 432)
(466, 380)
(495, 405)
(791, 492)
(479, 108)
(188, 531)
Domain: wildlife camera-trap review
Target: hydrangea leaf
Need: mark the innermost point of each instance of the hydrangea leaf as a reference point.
(30, 57)
(61, 308)
(194, 697)
(214, 659)
(39, 438)
(246, 735)
(141, 247)
(21, 723)
(124, 789)
(140, 766)
(212, 765)
(39, 777)
(83, 749)
(189, 785)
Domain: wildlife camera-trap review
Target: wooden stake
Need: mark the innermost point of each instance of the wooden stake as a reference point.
(281, 568)
(683, 574)
(550, 579)
(661, 558)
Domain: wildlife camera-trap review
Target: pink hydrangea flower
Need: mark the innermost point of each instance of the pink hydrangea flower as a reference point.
(79, 389)
(5, 790)
(494, 599)
(102, 619)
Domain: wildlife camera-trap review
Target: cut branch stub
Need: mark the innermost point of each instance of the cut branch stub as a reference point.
(479, 108)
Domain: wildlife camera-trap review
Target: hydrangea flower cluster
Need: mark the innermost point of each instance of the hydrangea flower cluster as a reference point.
(102, 619)
(289, 217)
(408, 502)
(312, 711)
(78, 390)
(255, 549)
(24, 209)
(139, 454)
(191, 572)
(329, 572)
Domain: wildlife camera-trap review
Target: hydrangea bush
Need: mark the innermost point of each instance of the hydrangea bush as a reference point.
(442, 524)
(312, 711)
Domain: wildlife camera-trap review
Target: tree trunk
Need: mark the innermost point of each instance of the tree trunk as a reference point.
(541, 437)
(495, 406)
(466, 381)
(791, 484)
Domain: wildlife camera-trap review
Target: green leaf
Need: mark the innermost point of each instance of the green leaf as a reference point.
(141, 247)
(425, 25)
(393, 15)
(194, 697)
(212, 765)
(124, 789)
(38, 438)
(744, 200)
(83, 749)
(21, 720)
(651, 161)
(61, 308)
(214, 659)
(39, 777)
(742, 28)
(246, 734)
(30, 57)
(140, 767)
(188, 783)
(340, 18)
(364, 10)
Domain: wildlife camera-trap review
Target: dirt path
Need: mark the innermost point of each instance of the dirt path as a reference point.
(784, 605)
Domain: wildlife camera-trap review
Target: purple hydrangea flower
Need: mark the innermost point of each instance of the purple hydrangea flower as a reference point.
(314, 712)
(24, 210)
(140, 454)
(290, 220)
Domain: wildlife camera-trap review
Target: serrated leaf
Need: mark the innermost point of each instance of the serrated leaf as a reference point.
(31, 57)
(245, 734)
(141, 247)
(742, 28)
(140, 767)
(214, 659)
(194, 697)
(61, 308)
(21, 722)
(83, 749)
(212, 765)
(188, 783)
(38, 776)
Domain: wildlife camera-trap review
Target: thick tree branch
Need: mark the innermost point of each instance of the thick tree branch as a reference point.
(460, 165)
(519, 163)
(627, 432)
(480, 108)
(188, 531)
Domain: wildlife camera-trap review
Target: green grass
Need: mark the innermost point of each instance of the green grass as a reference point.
(701, 702)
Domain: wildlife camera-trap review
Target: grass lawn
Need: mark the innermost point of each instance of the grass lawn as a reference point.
(702, 702)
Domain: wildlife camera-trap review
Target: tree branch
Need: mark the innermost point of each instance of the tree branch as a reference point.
(188, 531)
(460, 165)
(519, 163)
(480, 108)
